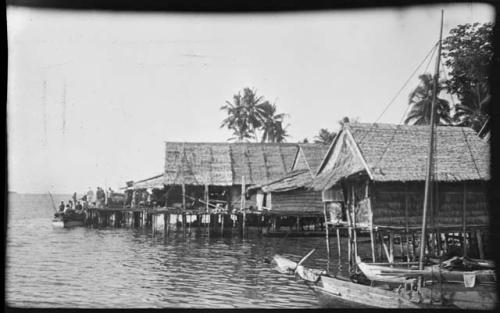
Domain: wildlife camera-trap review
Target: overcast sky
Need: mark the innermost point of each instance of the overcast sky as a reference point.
(93, 96)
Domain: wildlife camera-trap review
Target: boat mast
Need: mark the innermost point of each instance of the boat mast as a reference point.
(431, 152)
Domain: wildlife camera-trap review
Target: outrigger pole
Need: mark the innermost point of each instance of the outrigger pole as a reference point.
(431, 152)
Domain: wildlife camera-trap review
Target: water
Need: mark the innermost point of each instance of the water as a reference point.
(127, 267)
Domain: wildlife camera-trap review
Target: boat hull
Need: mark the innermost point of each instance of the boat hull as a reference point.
(66, 224)
(399, 275)
(362, 294)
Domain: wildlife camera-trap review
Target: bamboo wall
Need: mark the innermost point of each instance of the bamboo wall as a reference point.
(297, 201)
(394, 203)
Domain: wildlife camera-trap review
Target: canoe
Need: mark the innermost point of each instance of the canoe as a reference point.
(434, 273)
(363, 294)
(436, 295)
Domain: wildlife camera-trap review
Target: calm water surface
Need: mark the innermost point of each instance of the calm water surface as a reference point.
(127, 267)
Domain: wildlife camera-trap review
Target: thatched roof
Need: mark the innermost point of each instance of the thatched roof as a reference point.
(224, 164)
(306, 162)
(387, 152)
(293, 180)
(309, 156)
(152, 182)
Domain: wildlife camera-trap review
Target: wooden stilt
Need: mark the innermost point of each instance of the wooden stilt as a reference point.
(407, 224)
(464, 221)
(353, 204)
(480, 243)
(338, 244)
(391, 247)
(372, 242)
(413, 247)
(183, 205)
(349, 237)
(381, 245)
(401, 245)
(326, 232)
(207, 198)
(439, 245)
(243, 191)
(222, 224)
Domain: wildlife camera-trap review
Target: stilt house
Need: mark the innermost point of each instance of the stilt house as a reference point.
(291, 194)
(380, 171)
(211, 175)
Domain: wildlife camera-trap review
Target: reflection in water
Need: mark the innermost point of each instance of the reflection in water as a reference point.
(119, 267)
(124, 267)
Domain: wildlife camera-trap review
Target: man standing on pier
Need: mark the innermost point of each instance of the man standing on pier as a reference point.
(90, 196)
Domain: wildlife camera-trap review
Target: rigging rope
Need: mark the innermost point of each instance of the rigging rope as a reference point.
(432, 50)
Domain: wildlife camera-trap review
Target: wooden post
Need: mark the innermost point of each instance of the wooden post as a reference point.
(464, 222)
(207, 198)
(413, 244)
(183, 205)
(407, 222)
(354, 223)
(243, 204)
(391, 247)
(349, 236)
(480, 243)
(338, 244)
(222, 224)
(381, 245)
(372, 238)
(401, 245)
(326, 232)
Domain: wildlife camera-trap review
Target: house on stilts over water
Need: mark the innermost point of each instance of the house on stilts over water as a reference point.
(213, 175)
(376, 173)
(290, 198)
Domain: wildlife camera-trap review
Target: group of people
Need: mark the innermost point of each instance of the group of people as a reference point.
(88, 199)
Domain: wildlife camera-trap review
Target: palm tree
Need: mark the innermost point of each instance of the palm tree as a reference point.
(324, 137)
(243, 115)
(271, 123)
(420, 100)
(472, 111)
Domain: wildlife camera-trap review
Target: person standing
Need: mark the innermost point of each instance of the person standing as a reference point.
(61, 206)
(90, 196)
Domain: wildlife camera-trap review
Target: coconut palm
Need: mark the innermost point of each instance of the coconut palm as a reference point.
(271, 123)
(472, 111)
(420, 100)
(324, 136)
(243, 115)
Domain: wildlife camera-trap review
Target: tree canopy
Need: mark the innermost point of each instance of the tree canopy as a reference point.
(467, 53)
(251, 117)
(420, 101)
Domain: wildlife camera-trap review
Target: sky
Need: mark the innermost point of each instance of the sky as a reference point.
(93, 96)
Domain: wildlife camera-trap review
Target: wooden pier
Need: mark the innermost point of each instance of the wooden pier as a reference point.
(163, 220)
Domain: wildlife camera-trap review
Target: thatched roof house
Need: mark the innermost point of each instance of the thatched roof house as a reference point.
(380, 170)
(220, 168)
(291, 193)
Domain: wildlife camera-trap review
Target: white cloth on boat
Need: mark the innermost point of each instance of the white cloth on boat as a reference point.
(469, 279)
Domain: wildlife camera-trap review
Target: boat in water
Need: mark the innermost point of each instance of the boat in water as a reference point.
(388, 273)
(407, 294)
(68, 219)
